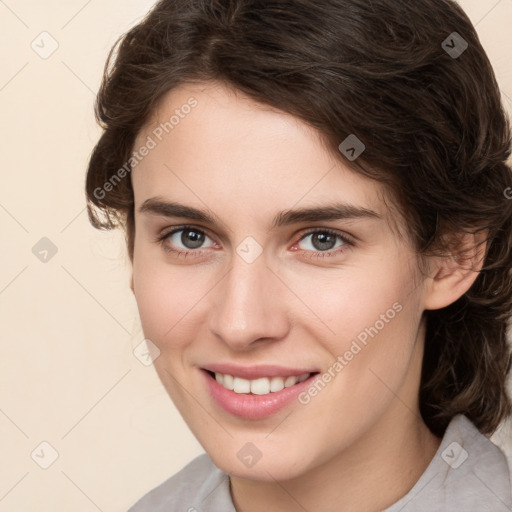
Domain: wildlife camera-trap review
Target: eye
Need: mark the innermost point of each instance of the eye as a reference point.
(324, 242)
(183, 240)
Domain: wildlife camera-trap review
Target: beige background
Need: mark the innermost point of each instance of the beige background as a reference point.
(68, 375)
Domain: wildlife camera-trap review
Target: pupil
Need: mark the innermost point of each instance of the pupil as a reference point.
(323, 241)
(192, 239)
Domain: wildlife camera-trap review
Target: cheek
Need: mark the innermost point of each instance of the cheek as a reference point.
(357, 298)
(377, 351)
(373, 318)
(165, 300)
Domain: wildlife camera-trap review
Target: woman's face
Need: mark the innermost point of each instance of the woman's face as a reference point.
(292, 268)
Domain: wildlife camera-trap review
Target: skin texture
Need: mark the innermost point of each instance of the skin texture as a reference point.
(360, 444)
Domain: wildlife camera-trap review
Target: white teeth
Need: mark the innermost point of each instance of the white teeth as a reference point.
(241, 385)
(276, 384)
(228, 381)
(261, 386)
(290, 381)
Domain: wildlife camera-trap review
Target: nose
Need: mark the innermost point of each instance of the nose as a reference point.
(250, 306)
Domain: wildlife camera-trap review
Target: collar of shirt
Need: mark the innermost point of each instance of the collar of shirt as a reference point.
(468, 472)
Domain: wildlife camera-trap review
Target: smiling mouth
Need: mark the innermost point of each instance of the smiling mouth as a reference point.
(260, 386)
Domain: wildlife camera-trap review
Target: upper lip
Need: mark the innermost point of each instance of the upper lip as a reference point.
(256, 372)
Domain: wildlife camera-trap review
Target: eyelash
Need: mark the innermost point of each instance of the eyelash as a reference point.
(347, 241)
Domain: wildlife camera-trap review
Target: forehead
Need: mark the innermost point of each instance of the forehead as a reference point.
(215, 146)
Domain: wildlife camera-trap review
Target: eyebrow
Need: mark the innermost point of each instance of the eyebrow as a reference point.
(329, 212)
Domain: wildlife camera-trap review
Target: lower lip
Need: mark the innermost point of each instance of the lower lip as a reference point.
(254, 407)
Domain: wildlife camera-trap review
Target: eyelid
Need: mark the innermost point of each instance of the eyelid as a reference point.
(342, 234)
(347, 239)
(166, 232)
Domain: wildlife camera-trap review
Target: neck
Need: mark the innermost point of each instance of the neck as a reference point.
(381, 467)
(365, 479)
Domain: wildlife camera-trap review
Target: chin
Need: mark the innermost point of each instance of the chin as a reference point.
(267, 468)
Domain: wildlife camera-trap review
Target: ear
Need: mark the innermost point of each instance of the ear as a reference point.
(451, 276)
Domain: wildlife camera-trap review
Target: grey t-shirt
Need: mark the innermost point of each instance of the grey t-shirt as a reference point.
(467, 474)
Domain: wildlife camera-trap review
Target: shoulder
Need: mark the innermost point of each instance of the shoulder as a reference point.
(502, 437)
(468, 472)
(480, 472)
(186, 489)
(509, 461)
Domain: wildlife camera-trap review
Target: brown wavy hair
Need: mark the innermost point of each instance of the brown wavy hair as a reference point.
(436, 136)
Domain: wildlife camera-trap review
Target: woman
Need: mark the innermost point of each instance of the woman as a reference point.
(314, 198)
